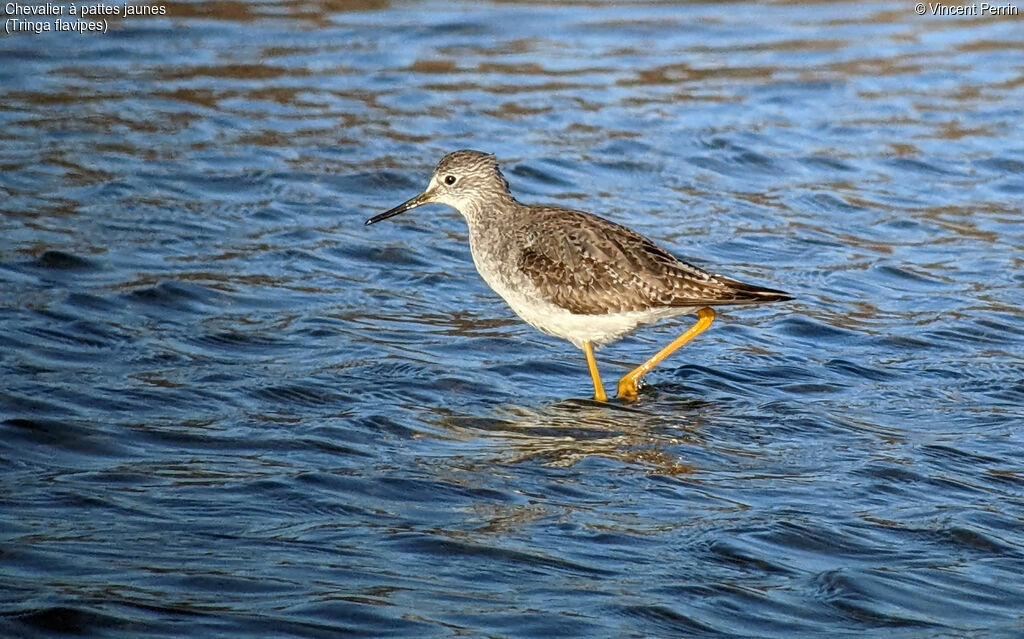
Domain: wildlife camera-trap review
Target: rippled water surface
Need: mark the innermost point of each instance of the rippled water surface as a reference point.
(228, 409)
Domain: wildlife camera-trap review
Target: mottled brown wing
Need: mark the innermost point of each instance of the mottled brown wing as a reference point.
(589, 265)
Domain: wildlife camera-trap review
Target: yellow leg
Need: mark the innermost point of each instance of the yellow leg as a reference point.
(627, 385)
(598, 387)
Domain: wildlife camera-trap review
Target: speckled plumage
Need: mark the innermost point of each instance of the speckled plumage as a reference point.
(568, 273)
(590, 266)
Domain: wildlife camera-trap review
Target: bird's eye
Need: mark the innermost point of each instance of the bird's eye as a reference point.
(449, 180)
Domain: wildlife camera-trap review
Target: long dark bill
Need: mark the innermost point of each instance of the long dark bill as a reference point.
(419, 200)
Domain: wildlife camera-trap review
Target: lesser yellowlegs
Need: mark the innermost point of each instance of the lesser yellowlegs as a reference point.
(572, 274)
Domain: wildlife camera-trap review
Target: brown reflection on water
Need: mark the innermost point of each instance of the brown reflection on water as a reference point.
(568, 432)
(316, 12)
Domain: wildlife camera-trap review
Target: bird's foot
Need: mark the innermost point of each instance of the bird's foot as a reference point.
(628, 389)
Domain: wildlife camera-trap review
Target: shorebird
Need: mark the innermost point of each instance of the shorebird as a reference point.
(572, 274)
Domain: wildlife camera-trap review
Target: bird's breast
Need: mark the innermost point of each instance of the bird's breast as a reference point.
(495, 258)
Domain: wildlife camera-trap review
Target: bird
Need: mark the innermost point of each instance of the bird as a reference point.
(572, 274)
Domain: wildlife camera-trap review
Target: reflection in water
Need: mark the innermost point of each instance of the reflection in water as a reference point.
(572, 430)
(227, 410)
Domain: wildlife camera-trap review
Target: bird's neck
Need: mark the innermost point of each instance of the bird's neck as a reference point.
(489, 214)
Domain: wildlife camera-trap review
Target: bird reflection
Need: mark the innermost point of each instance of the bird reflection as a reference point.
(569, 431)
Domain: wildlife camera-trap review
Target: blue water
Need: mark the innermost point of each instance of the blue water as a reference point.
(228, 409)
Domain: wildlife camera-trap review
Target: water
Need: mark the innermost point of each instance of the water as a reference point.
(231, 410)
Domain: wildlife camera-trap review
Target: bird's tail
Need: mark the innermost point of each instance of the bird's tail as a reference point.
(736, 292)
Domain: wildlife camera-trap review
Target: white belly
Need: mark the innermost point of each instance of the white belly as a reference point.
(596, 329)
